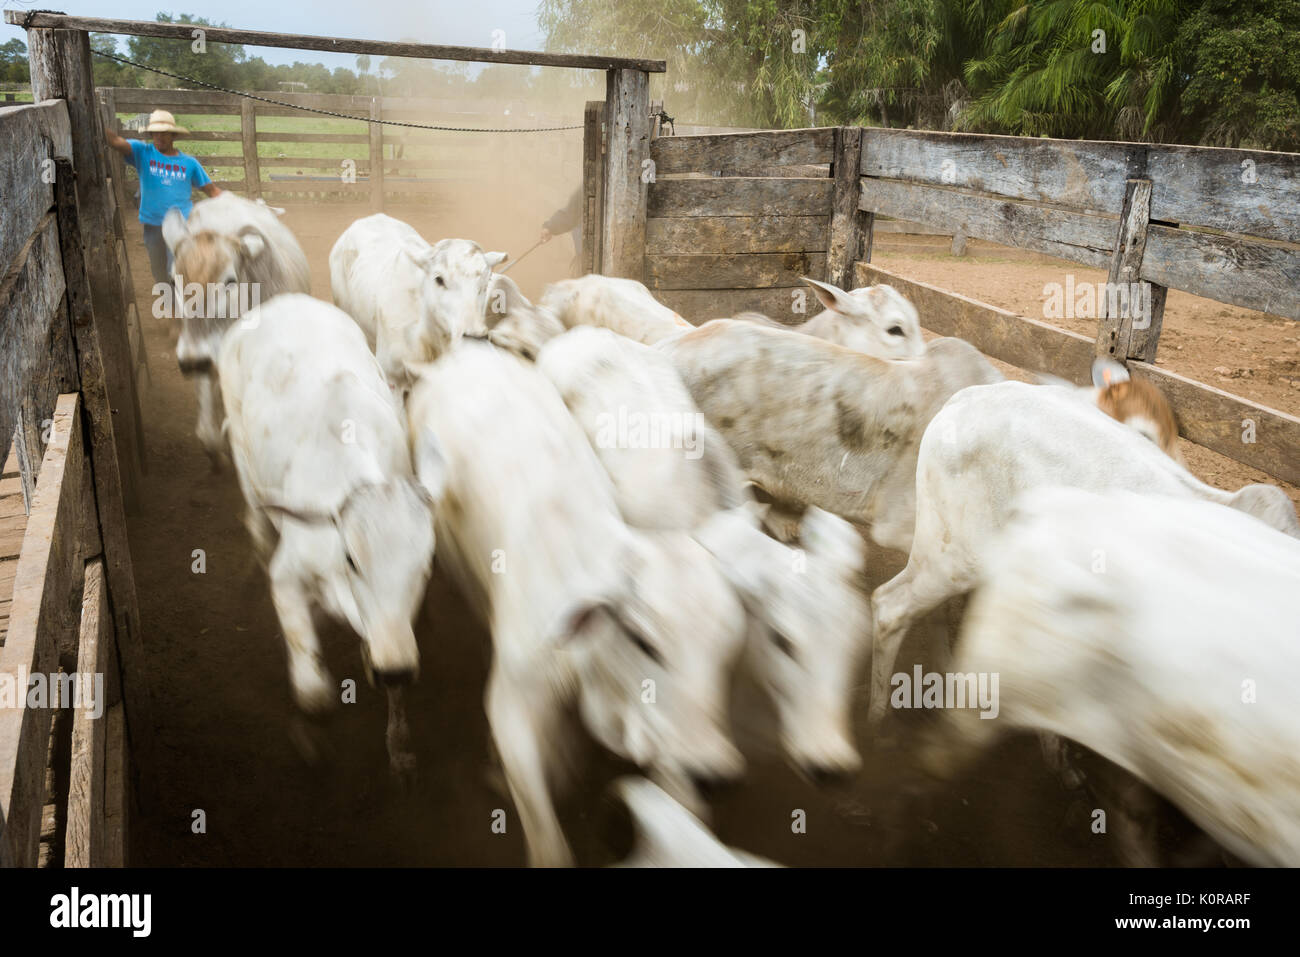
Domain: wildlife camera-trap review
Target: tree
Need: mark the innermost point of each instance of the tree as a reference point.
(218, 64)
(13, 62)
(1242, 63)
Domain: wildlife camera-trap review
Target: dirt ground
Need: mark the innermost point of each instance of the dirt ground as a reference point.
(221, 696)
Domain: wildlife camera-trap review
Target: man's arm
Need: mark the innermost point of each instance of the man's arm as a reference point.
(123, 146)
(212, 189)
(566, 218)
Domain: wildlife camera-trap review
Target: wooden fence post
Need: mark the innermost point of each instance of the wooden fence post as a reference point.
(60, 64)
(248, 136)
(849, 225)
(627, 145)
(376, 156)
(1132, 331)
(104, 465)
(593, 181)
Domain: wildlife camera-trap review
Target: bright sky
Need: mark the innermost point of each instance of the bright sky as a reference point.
(455, 22)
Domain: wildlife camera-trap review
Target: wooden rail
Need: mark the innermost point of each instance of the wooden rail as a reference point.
(736, 219)
(294, 41)
(384, 163)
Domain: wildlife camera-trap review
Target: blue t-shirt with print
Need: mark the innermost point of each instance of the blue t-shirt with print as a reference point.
(165, 181)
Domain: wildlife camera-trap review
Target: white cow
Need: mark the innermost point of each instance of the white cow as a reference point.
(333, 505)
(876, 320)
(514, 323)
(413, 300)
(230, 255)
(623, 305)
(671, 470)
(1162, 633)
(668, 835)
(635, 633)
(992, 443)
(816, 423)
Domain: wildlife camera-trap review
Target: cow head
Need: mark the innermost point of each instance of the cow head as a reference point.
(882, 323)
(653, 662)
(376, 552)
(214, 282)
(456, 274)
(816, 625)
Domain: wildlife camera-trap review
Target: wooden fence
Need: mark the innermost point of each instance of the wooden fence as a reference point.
(732, 221)
(66, 581)
(364, 162)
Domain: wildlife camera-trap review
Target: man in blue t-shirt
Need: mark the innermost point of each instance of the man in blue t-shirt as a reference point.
(166, 177)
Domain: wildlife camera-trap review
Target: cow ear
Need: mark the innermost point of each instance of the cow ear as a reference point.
(832, 297)
(251, 242)
(1106, 371)
(495, 259)
(307, 516)
(430, 464)
(576, 619)
(420, 253)
(174, 229)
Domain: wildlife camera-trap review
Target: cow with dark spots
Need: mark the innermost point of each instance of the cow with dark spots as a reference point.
(814, 423)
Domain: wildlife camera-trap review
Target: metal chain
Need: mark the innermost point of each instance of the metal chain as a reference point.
(342, 116)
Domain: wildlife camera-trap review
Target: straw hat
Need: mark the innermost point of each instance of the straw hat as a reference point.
(160, 121)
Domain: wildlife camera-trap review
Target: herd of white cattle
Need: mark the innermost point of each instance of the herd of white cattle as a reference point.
(1125, 604)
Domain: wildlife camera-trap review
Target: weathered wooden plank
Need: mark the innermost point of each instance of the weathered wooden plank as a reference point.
(109, 525)
(60, 67)
(701, 305)
(593, 184)
(117, 788)
(627, 146)
(1250, 274)
(849, 225)
(269, 136)
(294, 41)
(1129, 333)
(320, 162)
(737, 234)
(1078, 237)
(740, 196)
(1027, 343)
(85, 816)
(30, 304)
(738, 153)
(376, 159)
(46, 595)
(1076, 174)
(1246, 431)
(33, 135)
(1254, 192)
(751, 271)
(248, 136)
(1207, 416)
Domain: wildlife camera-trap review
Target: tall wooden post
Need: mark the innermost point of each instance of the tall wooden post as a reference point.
(849, 225)
(248, 137)
(60, 63)
(627, 146)
(593, 181)
(376, 156)
(1131, 332)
